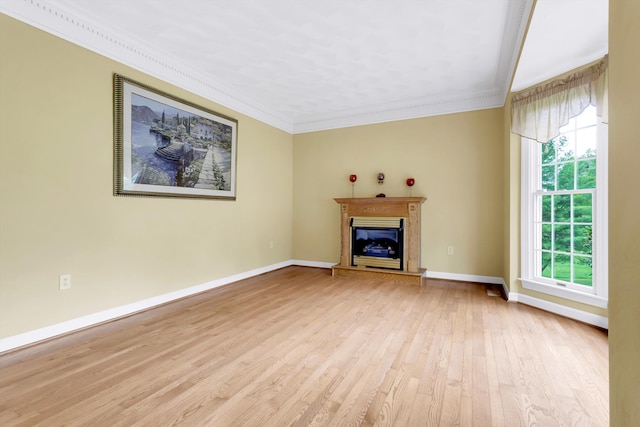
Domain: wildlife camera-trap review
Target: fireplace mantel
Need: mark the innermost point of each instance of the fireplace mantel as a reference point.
(405, 207)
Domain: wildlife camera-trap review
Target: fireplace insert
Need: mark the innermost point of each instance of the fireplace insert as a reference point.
(378, 243)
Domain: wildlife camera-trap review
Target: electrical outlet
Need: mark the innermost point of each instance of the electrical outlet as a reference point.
(65, 282)
(450, 250)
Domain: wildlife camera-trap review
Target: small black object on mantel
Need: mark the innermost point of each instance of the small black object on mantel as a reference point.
(381, 195)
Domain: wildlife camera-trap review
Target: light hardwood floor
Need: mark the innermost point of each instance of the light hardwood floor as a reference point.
(297, 347)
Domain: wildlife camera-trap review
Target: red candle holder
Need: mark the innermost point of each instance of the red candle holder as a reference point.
(353, 178)
(410, 183)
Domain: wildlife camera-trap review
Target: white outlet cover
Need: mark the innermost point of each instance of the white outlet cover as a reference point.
(65, 281)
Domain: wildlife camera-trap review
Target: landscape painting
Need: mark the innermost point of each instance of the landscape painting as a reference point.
(165, 146)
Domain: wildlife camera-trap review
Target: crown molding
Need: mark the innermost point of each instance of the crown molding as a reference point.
(519, 14)
(133, 53)
(104, 41)
(402, 110)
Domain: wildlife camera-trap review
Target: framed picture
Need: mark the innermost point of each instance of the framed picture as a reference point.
(168, 147)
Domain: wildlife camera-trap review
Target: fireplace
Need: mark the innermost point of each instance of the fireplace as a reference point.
(380, 236)
(377, 242)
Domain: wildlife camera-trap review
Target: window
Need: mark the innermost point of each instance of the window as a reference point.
(564, 212)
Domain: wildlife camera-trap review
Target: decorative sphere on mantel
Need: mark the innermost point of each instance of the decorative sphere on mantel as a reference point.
(410, 182)
(353, 177)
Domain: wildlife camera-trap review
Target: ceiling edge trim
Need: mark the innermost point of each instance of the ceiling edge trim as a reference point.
(102, 41)
(419, 108)
(518, 15)
(92, 36)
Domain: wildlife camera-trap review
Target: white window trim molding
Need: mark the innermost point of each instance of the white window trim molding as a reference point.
(528, 185)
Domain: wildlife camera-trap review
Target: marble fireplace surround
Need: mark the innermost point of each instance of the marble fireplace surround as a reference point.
(405, 207)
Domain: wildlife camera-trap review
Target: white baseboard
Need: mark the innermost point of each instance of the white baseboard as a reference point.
(561, 310)
(72, 325)
(27, 338)
(491, 280)
(428, 274)
(318, 264)
(465, 277)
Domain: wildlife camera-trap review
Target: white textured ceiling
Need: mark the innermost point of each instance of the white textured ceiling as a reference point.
(308, 65)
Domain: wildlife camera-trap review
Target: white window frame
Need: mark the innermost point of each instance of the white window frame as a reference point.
(530, 183)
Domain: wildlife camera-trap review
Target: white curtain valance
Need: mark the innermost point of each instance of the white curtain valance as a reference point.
(539, 113)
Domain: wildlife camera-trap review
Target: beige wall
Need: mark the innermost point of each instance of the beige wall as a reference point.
(456, 161)
(511, 206)
(624, 212)
(57, 211)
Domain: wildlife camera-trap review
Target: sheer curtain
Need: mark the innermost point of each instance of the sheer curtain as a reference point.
(539, 113)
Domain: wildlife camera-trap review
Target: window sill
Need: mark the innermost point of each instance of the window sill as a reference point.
(565, 293)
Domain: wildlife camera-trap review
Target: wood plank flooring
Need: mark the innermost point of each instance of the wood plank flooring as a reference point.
(296, 347)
